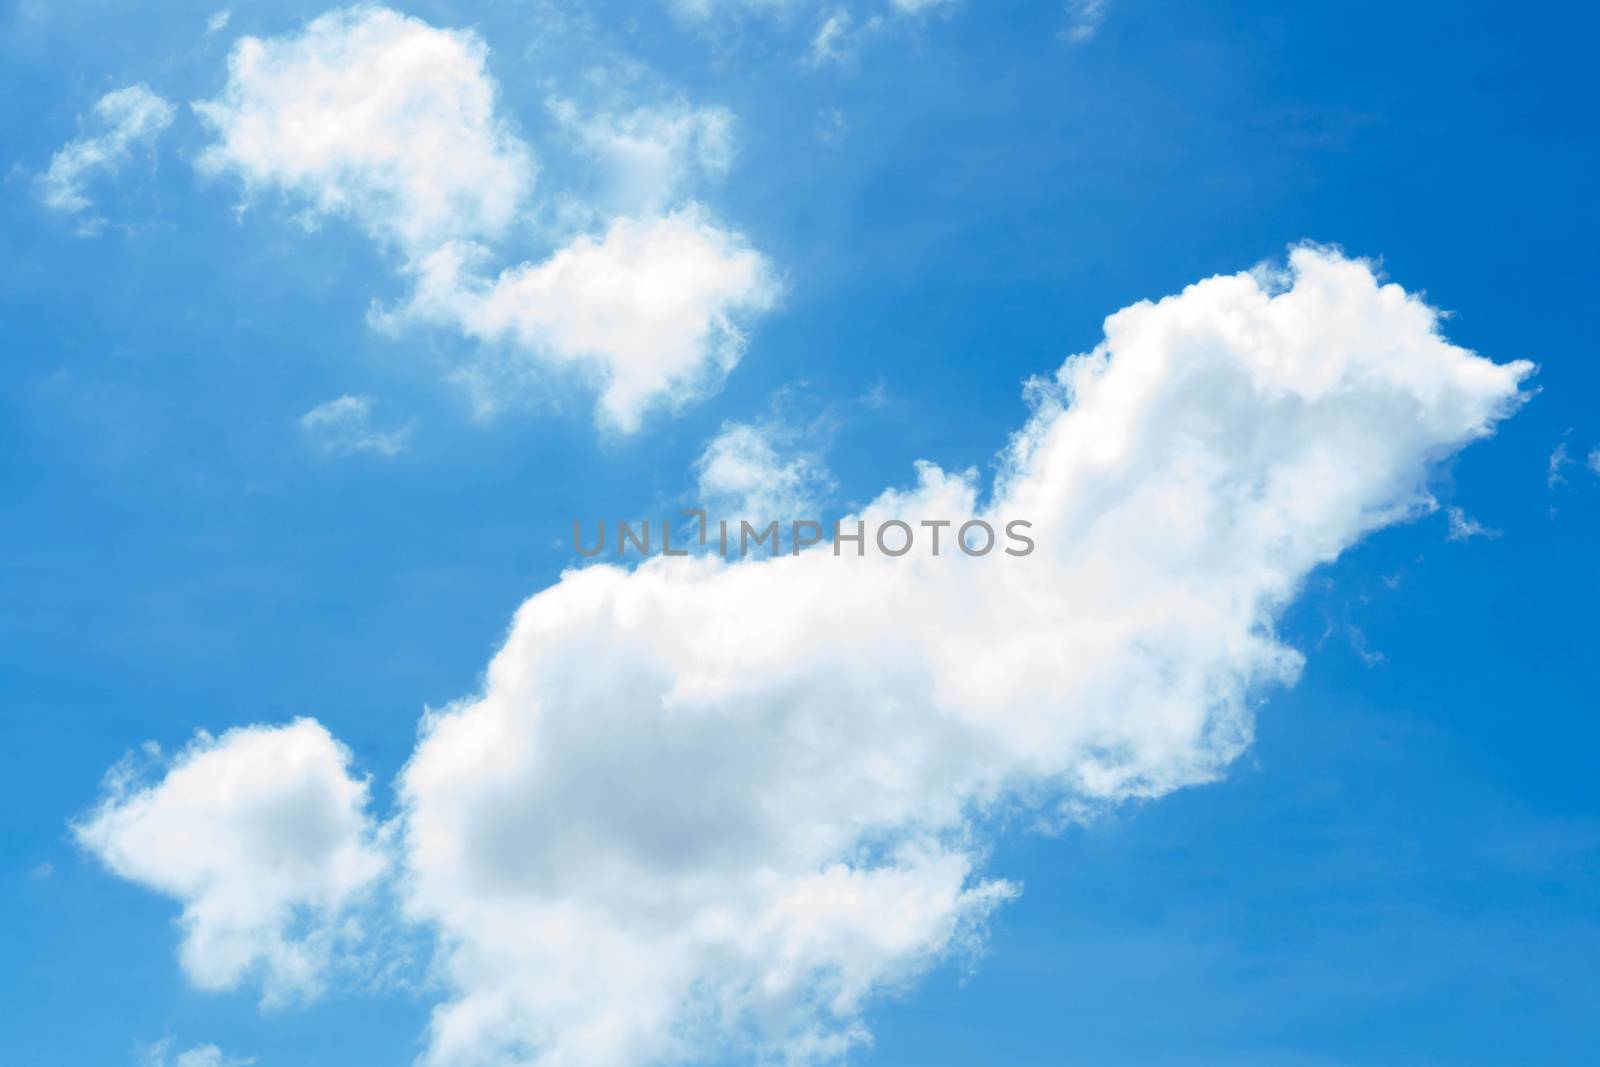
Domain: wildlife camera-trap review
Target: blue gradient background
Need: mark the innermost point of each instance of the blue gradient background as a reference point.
(1405, 869)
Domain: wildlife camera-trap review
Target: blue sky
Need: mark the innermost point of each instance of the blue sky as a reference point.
(1402, 866)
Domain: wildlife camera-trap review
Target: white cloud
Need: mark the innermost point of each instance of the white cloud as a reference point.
(128, 117)
(161, 1055)
(1084, 18)
(650, 310)
(701, 803)
(700, 807)
(1594, 460)
(761, 471)
(393, 123)
(262, 836)
(218, 21)
(1464, 527)
(375, 116)
(344, 426)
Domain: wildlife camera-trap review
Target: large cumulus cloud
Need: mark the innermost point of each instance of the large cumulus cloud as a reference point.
(734, 799)
(700, 805)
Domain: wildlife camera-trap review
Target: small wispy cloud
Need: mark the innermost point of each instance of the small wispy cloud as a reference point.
(1558, 459)
(161, 1054)
(840, 37)
(219, 21)
(1362, 647)
(1084, 18)
(128, 118)
(209, 1056)
(832, 126)
(919, 7)
(831, 44)
(762, 471)
(344, 426)
(1464, 527)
